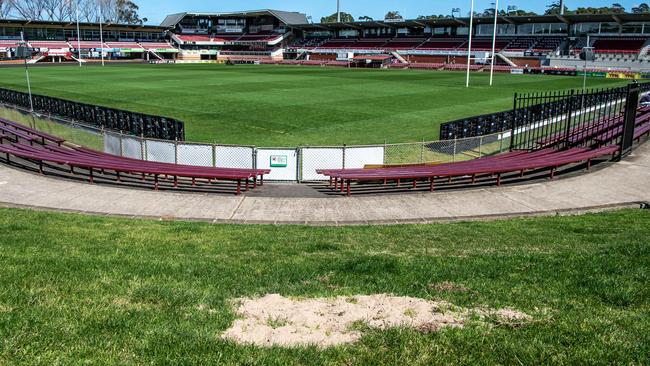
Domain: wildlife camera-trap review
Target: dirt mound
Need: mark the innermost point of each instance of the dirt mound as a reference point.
(274, 320)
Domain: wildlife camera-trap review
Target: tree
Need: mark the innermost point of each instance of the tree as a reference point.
(58, 10)
(554, 8)
(5, 9)
(641, 8)
(439, 16)
(127, 12)
(116, 11)
(28, 9)
(617, 8)
(345, 17)
(523, 13)
(365, 18)
(393, 15)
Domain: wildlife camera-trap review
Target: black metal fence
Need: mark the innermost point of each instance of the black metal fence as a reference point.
(133, 123)
(569, 119)
(503, 121)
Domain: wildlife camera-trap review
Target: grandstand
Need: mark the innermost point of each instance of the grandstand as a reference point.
(535, 43)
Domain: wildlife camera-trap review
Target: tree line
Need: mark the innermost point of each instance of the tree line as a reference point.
(113, 11)
(552, 9)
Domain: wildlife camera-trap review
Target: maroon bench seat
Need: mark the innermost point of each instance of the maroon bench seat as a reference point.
(127, 166)
(498, 165)
(89, 154)
(605, 132)
(44, 136)
(16, 133)
(258, 172)
(643, 130)
(582, 133)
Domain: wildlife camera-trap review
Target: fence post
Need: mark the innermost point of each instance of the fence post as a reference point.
(422, 151)
(631, 104)
(453, 157)
(103, 138)
(121, 145)
(143, 148)
(299, 164)
(513, 122)
(501, 143)
(214, 155)
(344, 146)
(480, 147)
(175, 151)
(569, 115)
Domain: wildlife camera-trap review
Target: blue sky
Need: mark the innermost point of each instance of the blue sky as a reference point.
(155, 10)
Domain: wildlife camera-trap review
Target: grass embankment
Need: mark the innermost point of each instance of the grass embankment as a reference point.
(77, 289)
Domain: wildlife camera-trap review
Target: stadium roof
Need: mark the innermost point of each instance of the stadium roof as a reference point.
(442, 22)
(286, 17)
(45, 23)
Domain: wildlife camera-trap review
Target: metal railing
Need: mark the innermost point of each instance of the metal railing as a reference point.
(100, 117)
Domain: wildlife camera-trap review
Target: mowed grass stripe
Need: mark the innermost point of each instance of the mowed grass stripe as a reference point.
(290, 106)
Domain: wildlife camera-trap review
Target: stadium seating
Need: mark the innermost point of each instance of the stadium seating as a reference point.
(156, 45)
(442, 44)
(50, 45)
(9, 43)
(598, 138)
(87, 45)
(339, 43)
(619, 46)
(131, 45)
(404, 43)
(189, 38)
(34, 146)
(512, 162)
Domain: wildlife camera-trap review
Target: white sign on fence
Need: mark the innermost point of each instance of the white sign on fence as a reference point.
(288, 173)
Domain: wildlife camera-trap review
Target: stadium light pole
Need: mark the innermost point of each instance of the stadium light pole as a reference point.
(469, 46)
(101, 33)
(494, 40)
(78, 33)
(338, 11)
(29, 84)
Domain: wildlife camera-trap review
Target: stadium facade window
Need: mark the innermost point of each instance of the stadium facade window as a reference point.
(348, 33)
(559, 28)
(442, 31)
(609, 28)
(542, 28)
(525, 29)
(9, 32)
(633, 28)
(504, 29)
(484, 29)
(581, 29)
(462, 31)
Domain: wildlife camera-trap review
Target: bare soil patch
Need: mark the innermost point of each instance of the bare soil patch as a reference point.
(274, 320)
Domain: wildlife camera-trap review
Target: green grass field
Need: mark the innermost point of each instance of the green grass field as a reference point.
(290, 106)
(89, 290)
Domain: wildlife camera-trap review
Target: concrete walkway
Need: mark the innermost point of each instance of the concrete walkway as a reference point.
(622, 184)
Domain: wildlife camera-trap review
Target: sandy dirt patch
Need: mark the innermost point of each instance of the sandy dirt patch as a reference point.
(274, 320)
